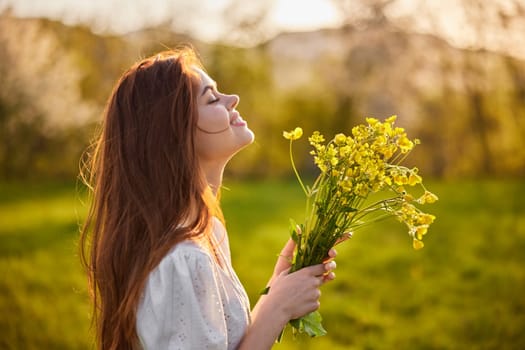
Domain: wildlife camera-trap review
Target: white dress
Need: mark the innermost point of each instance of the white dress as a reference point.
(191, 302)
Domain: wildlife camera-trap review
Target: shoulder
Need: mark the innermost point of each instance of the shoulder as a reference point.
(187, 249)
(175, 310)
(185, 266)
(185, 255)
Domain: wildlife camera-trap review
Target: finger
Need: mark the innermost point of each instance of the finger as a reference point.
(285, 272)
(321, 280)
(332, 253)
(315, 270)
(312, 306)
(344, 237)
(330, 266)
(330, 276)
(288, 249)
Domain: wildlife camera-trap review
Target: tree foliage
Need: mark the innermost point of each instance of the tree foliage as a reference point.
(56, 79)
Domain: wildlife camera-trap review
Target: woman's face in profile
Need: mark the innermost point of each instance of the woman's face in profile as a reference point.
(221, 132)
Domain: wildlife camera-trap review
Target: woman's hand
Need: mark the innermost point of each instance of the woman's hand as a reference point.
(291, 296)
(297, 294)
(284, 261)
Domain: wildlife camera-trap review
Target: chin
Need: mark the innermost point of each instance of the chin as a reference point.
(247, 139)
(246, 136)
(251, 136)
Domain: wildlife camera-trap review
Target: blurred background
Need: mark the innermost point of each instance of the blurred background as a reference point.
(453, 71)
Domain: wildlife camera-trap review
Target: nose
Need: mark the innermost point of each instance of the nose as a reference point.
(233, 101)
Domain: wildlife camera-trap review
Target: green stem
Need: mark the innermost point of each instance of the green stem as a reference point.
(295, 170)
(399, 158)
(356, 227)
(380, 203)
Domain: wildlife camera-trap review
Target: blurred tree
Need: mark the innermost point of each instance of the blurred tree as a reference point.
(474, 102)
(96, 60)
(516, 154)
(248, 21)
(247, 73)
(363, 13)
(56, 79)
(491, 85)
(495, 103)
(39, 102)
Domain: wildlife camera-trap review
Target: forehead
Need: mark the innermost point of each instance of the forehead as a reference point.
(203, 78)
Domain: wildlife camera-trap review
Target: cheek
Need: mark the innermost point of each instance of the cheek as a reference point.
(212, 119)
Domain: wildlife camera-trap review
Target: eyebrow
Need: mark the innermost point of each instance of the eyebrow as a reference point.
(208, 87)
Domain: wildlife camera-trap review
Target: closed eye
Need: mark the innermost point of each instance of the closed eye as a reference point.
(216, 99)
(212, 89)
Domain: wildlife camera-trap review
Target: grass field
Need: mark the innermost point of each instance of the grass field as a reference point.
(464, 290)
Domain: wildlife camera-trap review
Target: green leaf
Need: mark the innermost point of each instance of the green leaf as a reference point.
(280, 337)
(293, 231)
(349, 209)
(312, 324)
(265, 291)
(297, 324)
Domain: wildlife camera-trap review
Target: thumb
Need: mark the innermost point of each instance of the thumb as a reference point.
(285, 272)
(288, 249)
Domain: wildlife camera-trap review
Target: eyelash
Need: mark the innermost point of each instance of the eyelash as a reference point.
(214, 100)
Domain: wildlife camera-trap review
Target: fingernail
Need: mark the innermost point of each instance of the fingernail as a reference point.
(331, 265)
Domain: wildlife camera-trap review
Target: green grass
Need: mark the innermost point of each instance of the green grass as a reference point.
(43, 299)
(464, 290)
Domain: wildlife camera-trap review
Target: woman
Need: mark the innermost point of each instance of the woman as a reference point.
(154, 243)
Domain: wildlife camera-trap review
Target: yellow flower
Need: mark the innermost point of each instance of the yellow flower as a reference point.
(417, 244)
(421, 231)
(408, 197)
(425, 219)
(294, 134)
(316, 138)
(405, 144)
(344, 151)
(346, 185)
(414, 179)
(361, 189)
(340, 139)
(391, 119)
(381, 140)
(400, 179)
(427, 197)
(320, 164)
(372, 121)
(354, 166)
(398, 131)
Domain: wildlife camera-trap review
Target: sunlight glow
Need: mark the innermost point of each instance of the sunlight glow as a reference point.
(207, 20)
(300, 15)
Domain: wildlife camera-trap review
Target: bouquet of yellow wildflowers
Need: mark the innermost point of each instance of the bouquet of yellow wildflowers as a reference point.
(351, 168)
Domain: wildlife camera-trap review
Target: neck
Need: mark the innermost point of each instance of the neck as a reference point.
(213, 172)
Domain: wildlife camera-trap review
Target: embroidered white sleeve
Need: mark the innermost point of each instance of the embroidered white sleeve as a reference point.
(181, 306)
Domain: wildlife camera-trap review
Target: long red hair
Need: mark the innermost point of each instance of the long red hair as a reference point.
(148, 192)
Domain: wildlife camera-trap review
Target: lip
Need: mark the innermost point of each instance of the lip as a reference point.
(236, 119)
